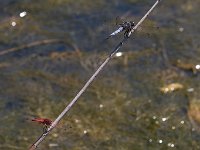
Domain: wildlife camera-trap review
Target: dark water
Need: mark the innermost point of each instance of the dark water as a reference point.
(125, 108)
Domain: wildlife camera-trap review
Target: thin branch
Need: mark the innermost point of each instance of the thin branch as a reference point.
(143, 18)
(68, 107)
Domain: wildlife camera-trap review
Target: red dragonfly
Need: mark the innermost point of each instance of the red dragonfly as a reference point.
(44, 121)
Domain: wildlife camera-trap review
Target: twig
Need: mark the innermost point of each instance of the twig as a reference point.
(143, 18)
(41, 138)
(42, 42)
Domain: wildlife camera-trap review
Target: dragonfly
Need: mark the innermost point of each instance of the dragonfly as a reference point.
(44, 121)
(126, 27)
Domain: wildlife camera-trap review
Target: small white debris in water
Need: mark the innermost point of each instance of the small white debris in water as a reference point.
(190, 90)
(101, 106)
(55, 135)
(149, 100)
(22, 14)
(150, 140)
(160, 141)
(25, 138)
(170, 144)
(118, 54)
(77, 121)
(197, 66)
(85, 131)
(164, 119)
(13, 23)
(53, 145)
(182, 122)
(154, 117)
(181, 29)
(173, 127)
(157, 122)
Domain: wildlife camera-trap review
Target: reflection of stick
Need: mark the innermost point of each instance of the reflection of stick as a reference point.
(43, 42)
(68, 107)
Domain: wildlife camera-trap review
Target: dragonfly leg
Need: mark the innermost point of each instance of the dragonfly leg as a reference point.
(126, 33)
(45, 129)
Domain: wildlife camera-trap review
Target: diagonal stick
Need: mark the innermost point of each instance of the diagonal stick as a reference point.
(68, 107)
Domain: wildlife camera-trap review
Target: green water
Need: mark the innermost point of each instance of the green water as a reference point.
(124, 108)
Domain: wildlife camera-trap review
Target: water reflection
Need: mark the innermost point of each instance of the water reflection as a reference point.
(170, 145)
(101, 106)
(118, 54)
(197, 66)
(85, 131)
(173, 127)
(160, 141)
(181, 29)
(182, 122)
(22, 14)
(13, 23)
(164, 119)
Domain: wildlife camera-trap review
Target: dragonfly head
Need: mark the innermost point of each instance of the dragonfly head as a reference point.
(132, 23)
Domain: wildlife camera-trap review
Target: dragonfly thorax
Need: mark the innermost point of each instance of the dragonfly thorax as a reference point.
(128, 25)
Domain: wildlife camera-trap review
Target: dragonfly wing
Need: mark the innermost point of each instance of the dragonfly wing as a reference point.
(117, 31)
(40, 120)
(119, 20)
(146, 30)
(114, 33)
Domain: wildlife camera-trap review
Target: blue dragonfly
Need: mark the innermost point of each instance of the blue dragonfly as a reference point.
(125, 26)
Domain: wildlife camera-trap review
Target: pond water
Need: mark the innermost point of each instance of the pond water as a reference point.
(147, 97)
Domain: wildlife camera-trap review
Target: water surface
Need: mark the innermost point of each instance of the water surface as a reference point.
(124, 108)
